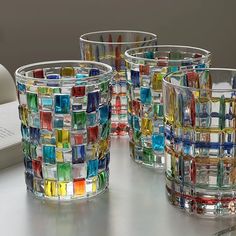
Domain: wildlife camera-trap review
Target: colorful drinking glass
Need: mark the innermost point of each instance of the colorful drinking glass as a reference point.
(146, 67)
(109, 47)
(65, 113)
(200, 140)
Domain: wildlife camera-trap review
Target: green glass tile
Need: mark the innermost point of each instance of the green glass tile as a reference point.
(101, 180)
(32, 101)
(104, 87)
(79, 120)
(148, 157)
(222, 112)
(64, 171)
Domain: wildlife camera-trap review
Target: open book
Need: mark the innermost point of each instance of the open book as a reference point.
(10, 135)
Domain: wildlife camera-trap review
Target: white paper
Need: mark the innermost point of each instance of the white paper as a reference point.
(9, 125)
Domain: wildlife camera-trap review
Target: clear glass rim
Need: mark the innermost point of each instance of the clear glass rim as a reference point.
(167, 83)
(109, 71)
(83, 39)
(129, 57)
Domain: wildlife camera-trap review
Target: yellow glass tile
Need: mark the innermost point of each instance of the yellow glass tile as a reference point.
(45, 91)
(94, 185)
(50, 188)
(62, 189)
(67, 72)
(63, 138)
(59, 156)
(103, 147)
(24, 117)
(146, 126)
(88, 52)
(157, 81)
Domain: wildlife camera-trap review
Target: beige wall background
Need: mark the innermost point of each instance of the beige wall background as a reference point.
(32, 31)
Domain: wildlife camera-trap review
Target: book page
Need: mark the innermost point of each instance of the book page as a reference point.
(9, 125)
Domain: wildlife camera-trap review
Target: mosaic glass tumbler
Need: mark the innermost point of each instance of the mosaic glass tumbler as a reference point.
(146, 67)
(109, 47)
(200, 139)
(65, 114)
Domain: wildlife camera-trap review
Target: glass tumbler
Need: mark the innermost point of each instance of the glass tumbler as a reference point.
(146, 67)
(65, 113)
(200, 140)
(109, 47)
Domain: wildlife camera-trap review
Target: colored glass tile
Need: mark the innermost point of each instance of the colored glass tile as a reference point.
(149, 55)
(62, 138)
(145, 95)
(78, 139)
(65, 189)
(38, 73)
(146, 126)
(79, 171)
(135, 78)
(37, 168)
(91, 185)
(101, 180)
(79, 187)
(46, 120)
(62, 104)
(50, 188)
(49, 171)
(78, 154)
(53, 76)
(158, 142)
(67, 72)
(49, 155)
(157, 81)
(148, 157)
(144, 69)
(58, 122)
(79, 120)
(104, 113)
(24, 132)
(64, 171)
(29, 181)
(92, 168)
(59, 156)
(93, 133)
(46, 103)
(92, 118)
(93, 101)
(94, 72)
(32, 101)
(78, 91)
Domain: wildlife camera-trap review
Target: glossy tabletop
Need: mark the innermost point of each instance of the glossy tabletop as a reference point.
(135, 204)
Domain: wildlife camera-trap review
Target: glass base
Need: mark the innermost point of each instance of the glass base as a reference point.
(41, 196)
(201, 202)
(146, 156)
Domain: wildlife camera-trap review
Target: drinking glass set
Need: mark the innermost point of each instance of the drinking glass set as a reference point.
(179, 113)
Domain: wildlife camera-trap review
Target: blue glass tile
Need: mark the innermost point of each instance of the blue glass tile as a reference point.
(93, 101)
(78, 154)
(102, 163)
(92, 119)
(21, 87)
(149, 55)
(49, 154)
(135, 78)
(158, 142)
(28, 164)
(58, 122)
(104, 114)
(53, 76)
(94, 72)
(34, 135)
(92, 168)
(136, 124)
(145, 95)
(24, 132)
(47, 102)
(77, 107)
(62, 104)
(130, 120)
(81, 76)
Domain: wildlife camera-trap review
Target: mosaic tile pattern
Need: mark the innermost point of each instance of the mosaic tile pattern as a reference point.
(200, 141)
(146, 68)
(109, 47)
(65, 124)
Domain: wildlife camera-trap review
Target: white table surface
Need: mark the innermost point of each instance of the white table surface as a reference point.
(135, 204)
